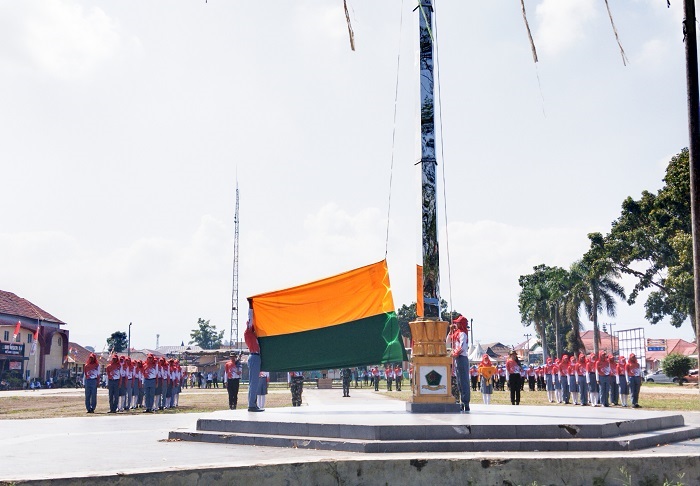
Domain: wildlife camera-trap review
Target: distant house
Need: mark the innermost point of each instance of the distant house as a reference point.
(497, 351)
(678, 346)
(608, 343)
(16, 356)
(77, 357)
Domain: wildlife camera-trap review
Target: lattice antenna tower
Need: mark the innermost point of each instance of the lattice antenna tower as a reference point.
(234, 297)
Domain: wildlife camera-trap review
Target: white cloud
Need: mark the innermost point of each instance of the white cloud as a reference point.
(562, 24)
(57, 37)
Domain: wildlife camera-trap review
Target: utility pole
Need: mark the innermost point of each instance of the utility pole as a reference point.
(128, 348)
(612, 342)
(527, 336)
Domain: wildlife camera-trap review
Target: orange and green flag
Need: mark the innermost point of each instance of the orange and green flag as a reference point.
(341, 321)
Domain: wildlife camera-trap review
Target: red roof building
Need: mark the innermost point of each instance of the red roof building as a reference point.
(40, 346)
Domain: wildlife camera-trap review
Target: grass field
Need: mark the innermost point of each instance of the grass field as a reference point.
(70, 403)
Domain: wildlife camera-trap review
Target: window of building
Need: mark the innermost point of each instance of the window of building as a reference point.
(29, 337)
(60, 342)
(6, 336)
(18, 337)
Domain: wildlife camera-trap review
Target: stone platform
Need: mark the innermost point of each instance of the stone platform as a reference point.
(386, 427)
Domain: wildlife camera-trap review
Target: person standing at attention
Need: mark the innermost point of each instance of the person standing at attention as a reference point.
(513, 372)
(296, 387)
(623, 389)
(345, 376)
(262, 388)
(251, 340)
(634, 379)
(233, 371)
(461, 355)
(603, 373)
(113, 377)
(487, 371)
(92, 374)
(398, 377)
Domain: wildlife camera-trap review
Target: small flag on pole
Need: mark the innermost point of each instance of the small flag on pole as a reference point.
(16, 333)
(36, 338)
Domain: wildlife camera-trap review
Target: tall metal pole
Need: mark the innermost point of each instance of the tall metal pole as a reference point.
(128, 348)
(234, 297)
(691, 70)
(431, 259)
(431, 364)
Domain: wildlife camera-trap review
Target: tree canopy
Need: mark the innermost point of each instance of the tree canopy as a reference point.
(206, 336)
(117, 342)
(651, 241)
(407, 313)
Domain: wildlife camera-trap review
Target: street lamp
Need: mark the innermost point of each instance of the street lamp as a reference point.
(128, 349)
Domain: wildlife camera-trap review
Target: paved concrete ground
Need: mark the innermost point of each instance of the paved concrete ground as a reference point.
(130, 448)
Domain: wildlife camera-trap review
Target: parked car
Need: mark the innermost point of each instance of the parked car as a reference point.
(691, 377)
(660, 377)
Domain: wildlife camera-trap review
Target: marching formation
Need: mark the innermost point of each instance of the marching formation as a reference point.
(130, 383)
(586, 380)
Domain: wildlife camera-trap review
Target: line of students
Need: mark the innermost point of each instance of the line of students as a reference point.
(392, 375)
(130, 383)
(594, 379)
(597, 380)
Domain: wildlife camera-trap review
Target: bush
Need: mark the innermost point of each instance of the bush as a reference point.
(676, 366)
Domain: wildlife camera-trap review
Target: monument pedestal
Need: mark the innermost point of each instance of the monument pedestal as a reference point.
(432, 370)
(325, 383)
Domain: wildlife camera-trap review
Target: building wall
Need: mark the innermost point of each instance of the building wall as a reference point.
(33, 365)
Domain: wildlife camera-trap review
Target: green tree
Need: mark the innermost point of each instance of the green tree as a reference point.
(598, 287)
(407, 313)
(534, 303)
(206, 336)
(676, 366)
(117, 342)
(652, 241)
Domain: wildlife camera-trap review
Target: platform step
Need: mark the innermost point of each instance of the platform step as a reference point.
(626, 442)
(609, 429)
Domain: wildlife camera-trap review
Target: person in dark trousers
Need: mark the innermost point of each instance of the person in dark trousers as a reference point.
(514, 376)
(460, 353)
(296, 385)
(113, 378)
(92, 376)
(251, 340)
(346, 376)
(233, 371)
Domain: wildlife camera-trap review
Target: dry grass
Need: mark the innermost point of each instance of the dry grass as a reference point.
(652, 396)
(71, 403)
(32, 405)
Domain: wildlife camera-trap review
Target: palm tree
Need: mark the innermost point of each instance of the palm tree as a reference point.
(533, 303)
(576, 297)
(596, 290)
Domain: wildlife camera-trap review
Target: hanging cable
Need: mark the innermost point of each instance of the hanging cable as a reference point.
(393, 134)
(617, 37)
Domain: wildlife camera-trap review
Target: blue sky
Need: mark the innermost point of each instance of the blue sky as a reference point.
(125, 126)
